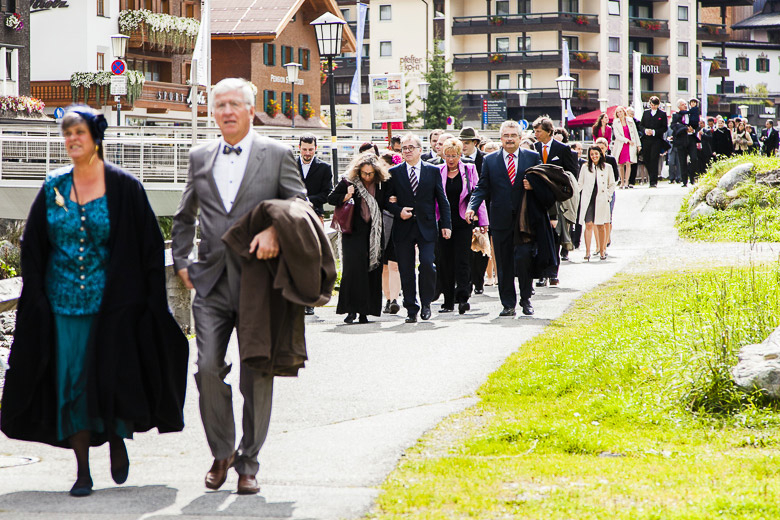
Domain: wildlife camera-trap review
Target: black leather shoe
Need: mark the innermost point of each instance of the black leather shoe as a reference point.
(478, 291)
(120, 463)
(394, 307)
(554, 281)
(412, 318)
(528, 309)
(363, 319)
(508, 311)
(350, 319)
(82, 487)
(309, 311)
(425, 313)
(386, 310)
(444, 308)
(541, 282)
(463, 307)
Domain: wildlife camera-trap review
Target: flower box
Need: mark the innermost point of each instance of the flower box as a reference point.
(272, 108)
(581, 20)
(497, 58)
(497, 20)
(581, 57)
(14, 21)
(650, 25)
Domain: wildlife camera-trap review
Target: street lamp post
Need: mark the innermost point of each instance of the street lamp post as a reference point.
(743, 111)
(565, 90)
(603, 104)
(329, 28)
(522, 100)
(119, 47)
(423, 87)
(292, 77)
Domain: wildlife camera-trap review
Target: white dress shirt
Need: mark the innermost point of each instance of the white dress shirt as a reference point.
(305, 167)
(473, 157)
(229, 170)
(506, 155)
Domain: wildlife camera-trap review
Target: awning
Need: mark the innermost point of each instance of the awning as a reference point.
(589, 118)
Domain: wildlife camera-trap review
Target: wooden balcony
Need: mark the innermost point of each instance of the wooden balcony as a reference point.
(537, 97)
(141, 38)
(521, 60)
(718, 69)
(648, 27)
(652, 64)
(529, 22)
(713, 32)
(156, 97)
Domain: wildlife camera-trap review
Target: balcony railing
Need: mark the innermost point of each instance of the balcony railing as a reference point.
(652, 64)
(555, 21)
(346, 66)
(514, 60)
(718, 69)
(536, 97)
(653, 27)
(714, 32)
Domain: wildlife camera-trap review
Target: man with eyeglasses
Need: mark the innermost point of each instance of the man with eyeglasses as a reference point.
(415, 189)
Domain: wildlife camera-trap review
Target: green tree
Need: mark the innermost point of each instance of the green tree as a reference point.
(443, 97)
(412, 118)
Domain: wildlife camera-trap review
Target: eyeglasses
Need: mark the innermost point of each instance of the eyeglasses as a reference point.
(408, 148)
(448, 156)
(367, 174)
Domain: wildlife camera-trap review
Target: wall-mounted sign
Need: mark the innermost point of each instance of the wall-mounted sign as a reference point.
(118, 86)
(493, 111)
(388, 100)
(411, 63)
(283, 79)
(651, 69)
(45, 5)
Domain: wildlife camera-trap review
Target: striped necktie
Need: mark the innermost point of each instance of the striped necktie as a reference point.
(510, 168)
(413, 180)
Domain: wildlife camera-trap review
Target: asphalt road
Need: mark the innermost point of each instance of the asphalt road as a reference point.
(367, 394)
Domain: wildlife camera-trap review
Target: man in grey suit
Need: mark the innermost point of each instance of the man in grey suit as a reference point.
(227, 178)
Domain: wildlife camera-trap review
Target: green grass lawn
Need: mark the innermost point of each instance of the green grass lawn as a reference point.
(621, 409)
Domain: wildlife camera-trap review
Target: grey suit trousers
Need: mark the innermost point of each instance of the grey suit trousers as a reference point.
(216, 315)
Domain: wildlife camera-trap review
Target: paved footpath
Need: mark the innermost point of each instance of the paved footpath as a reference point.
(367, 394)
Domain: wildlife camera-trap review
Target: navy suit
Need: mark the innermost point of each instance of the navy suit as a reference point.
(421, 230)
(504, 203)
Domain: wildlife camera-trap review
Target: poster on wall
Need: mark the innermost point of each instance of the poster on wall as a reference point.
(388, 98)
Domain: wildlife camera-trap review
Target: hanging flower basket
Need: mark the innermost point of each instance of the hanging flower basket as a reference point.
(162, 30)
(715, 65)
(272, 108)
(290, 110)
(497, 20)
(14, 21)
(324, 71)
(307, 111)
(581, 20)
(497, 58)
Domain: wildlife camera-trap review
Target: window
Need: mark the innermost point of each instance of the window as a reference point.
(762, 64)
(614, 81)
(523, 6)
(287, 54)
(743, 64)
(385, 13)
(502, 7)
(269, 54)
(165, 7)
(268, 96)
(571, 6)
(520, 84)
(573, 41)
(682, 84)
(189, 10)
(100, 8)
(345, 14)
(10, 73)
(523, 44)
(613, 7)
(343, 87)
(682, 48)
(502, 81)
(286, 102)
(149, 4)
(304, 58)
(502, 44)
(682, 12)
(385, 49)
(302, 100)
(101, 61)
(614, 44)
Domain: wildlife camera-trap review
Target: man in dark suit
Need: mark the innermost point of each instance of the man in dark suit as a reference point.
(470, 140)
(503, 182)
(554, 152)
(415, 189)
(318, 178)
(641, 131)
(433, 142)
(770, 139)
(705, 144)
(655, 124)
(684, 141)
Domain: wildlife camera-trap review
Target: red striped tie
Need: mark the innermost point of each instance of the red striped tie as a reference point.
(510, 169)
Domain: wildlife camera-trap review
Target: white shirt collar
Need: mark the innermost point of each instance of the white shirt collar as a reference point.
(416, 166)
(245, 143)
(506, 154)
(473, 156)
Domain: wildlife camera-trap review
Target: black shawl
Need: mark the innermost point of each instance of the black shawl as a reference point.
(136, 355)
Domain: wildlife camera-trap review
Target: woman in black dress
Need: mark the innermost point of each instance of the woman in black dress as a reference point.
(361, 278)
(722, 146)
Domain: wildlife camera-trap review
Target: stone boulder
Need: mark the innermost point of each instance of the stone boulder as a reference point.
(771, 178)
(759, 366)
(734, 176)
(737, 203)
(702, 210)
(699, 196)
(717, 198)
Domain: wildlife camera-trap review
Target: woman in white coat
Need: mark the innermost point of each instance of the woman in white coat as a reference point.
(626, 144)
(597, 185)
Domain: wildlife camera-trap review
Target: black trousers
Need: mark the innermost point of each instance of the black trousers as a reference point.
(454, 266)
(479, 264)
(651, 154)
(524, 258)
(404, 250)
(632, 176)
(504, 247)
(685, 152)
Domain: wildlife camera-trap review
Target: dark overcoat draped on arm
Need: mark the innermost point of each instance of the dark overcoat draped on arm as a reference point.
(137, 354)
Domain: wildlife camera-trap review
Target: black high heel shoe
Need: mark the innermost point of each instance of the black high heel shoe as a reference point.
(120, 462)
(82, 487)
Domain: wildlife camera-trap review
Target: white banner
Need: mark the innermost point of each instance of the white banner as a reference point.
(565, 72)
(201, 54)
(637, 86)
(388, 99)
(705, 80)
(354, 91)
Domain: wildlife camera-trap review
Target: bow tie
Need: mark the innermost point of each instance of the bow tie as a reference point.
(230, 149)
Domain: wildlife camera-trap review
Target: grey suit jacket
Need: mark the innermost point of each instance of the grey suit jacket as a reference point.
(271, 173)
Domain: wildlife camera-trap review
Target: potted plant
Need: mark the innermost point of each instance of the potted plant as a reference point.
(651, 60)
(581, 57)
(715, 66)
(497, 57)
(14, 21)
(581, 20)
(580, 94)
(290, 109)
(650, 25)
(272, 108)
(307, 111)
(497, 20)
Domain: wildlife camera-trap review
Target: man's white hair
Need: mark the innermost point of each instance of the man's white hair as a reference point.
(412, 137)
(232, 85)
(509, 124)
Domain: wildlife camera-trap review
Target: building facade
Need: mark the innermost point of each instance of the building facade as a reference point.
(15, 48)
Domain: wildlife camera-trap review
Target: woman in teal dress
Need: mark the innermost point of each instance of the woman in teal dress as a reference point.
(93, 315)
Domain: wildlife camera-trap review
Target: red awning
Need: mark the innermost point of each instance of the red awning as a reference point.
(589, 118)
(395, 126)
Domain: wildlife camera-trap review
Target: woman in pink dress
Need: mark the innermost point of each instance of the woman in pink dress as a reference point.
(626, 144)
(601, 128)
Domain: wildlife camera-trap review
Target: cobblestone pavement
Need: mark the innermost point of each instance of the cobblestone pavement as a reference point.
(368, 393)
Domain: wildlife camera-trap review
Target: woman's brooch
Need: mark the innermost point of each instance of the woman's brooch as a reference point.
(59, 199)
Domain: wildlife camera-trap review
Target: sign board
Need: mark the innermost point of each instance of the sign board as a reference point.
(118, 85)
(118, 67)
(59, 112)
(493, 111)
(388, 98)
(523, 124)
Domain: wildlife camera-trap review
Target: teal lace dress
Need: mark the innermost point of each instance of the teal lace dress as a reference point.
(75, 279)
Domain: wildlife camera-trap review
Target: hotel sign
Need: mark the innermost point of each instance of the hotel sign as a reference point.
(651, 69)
